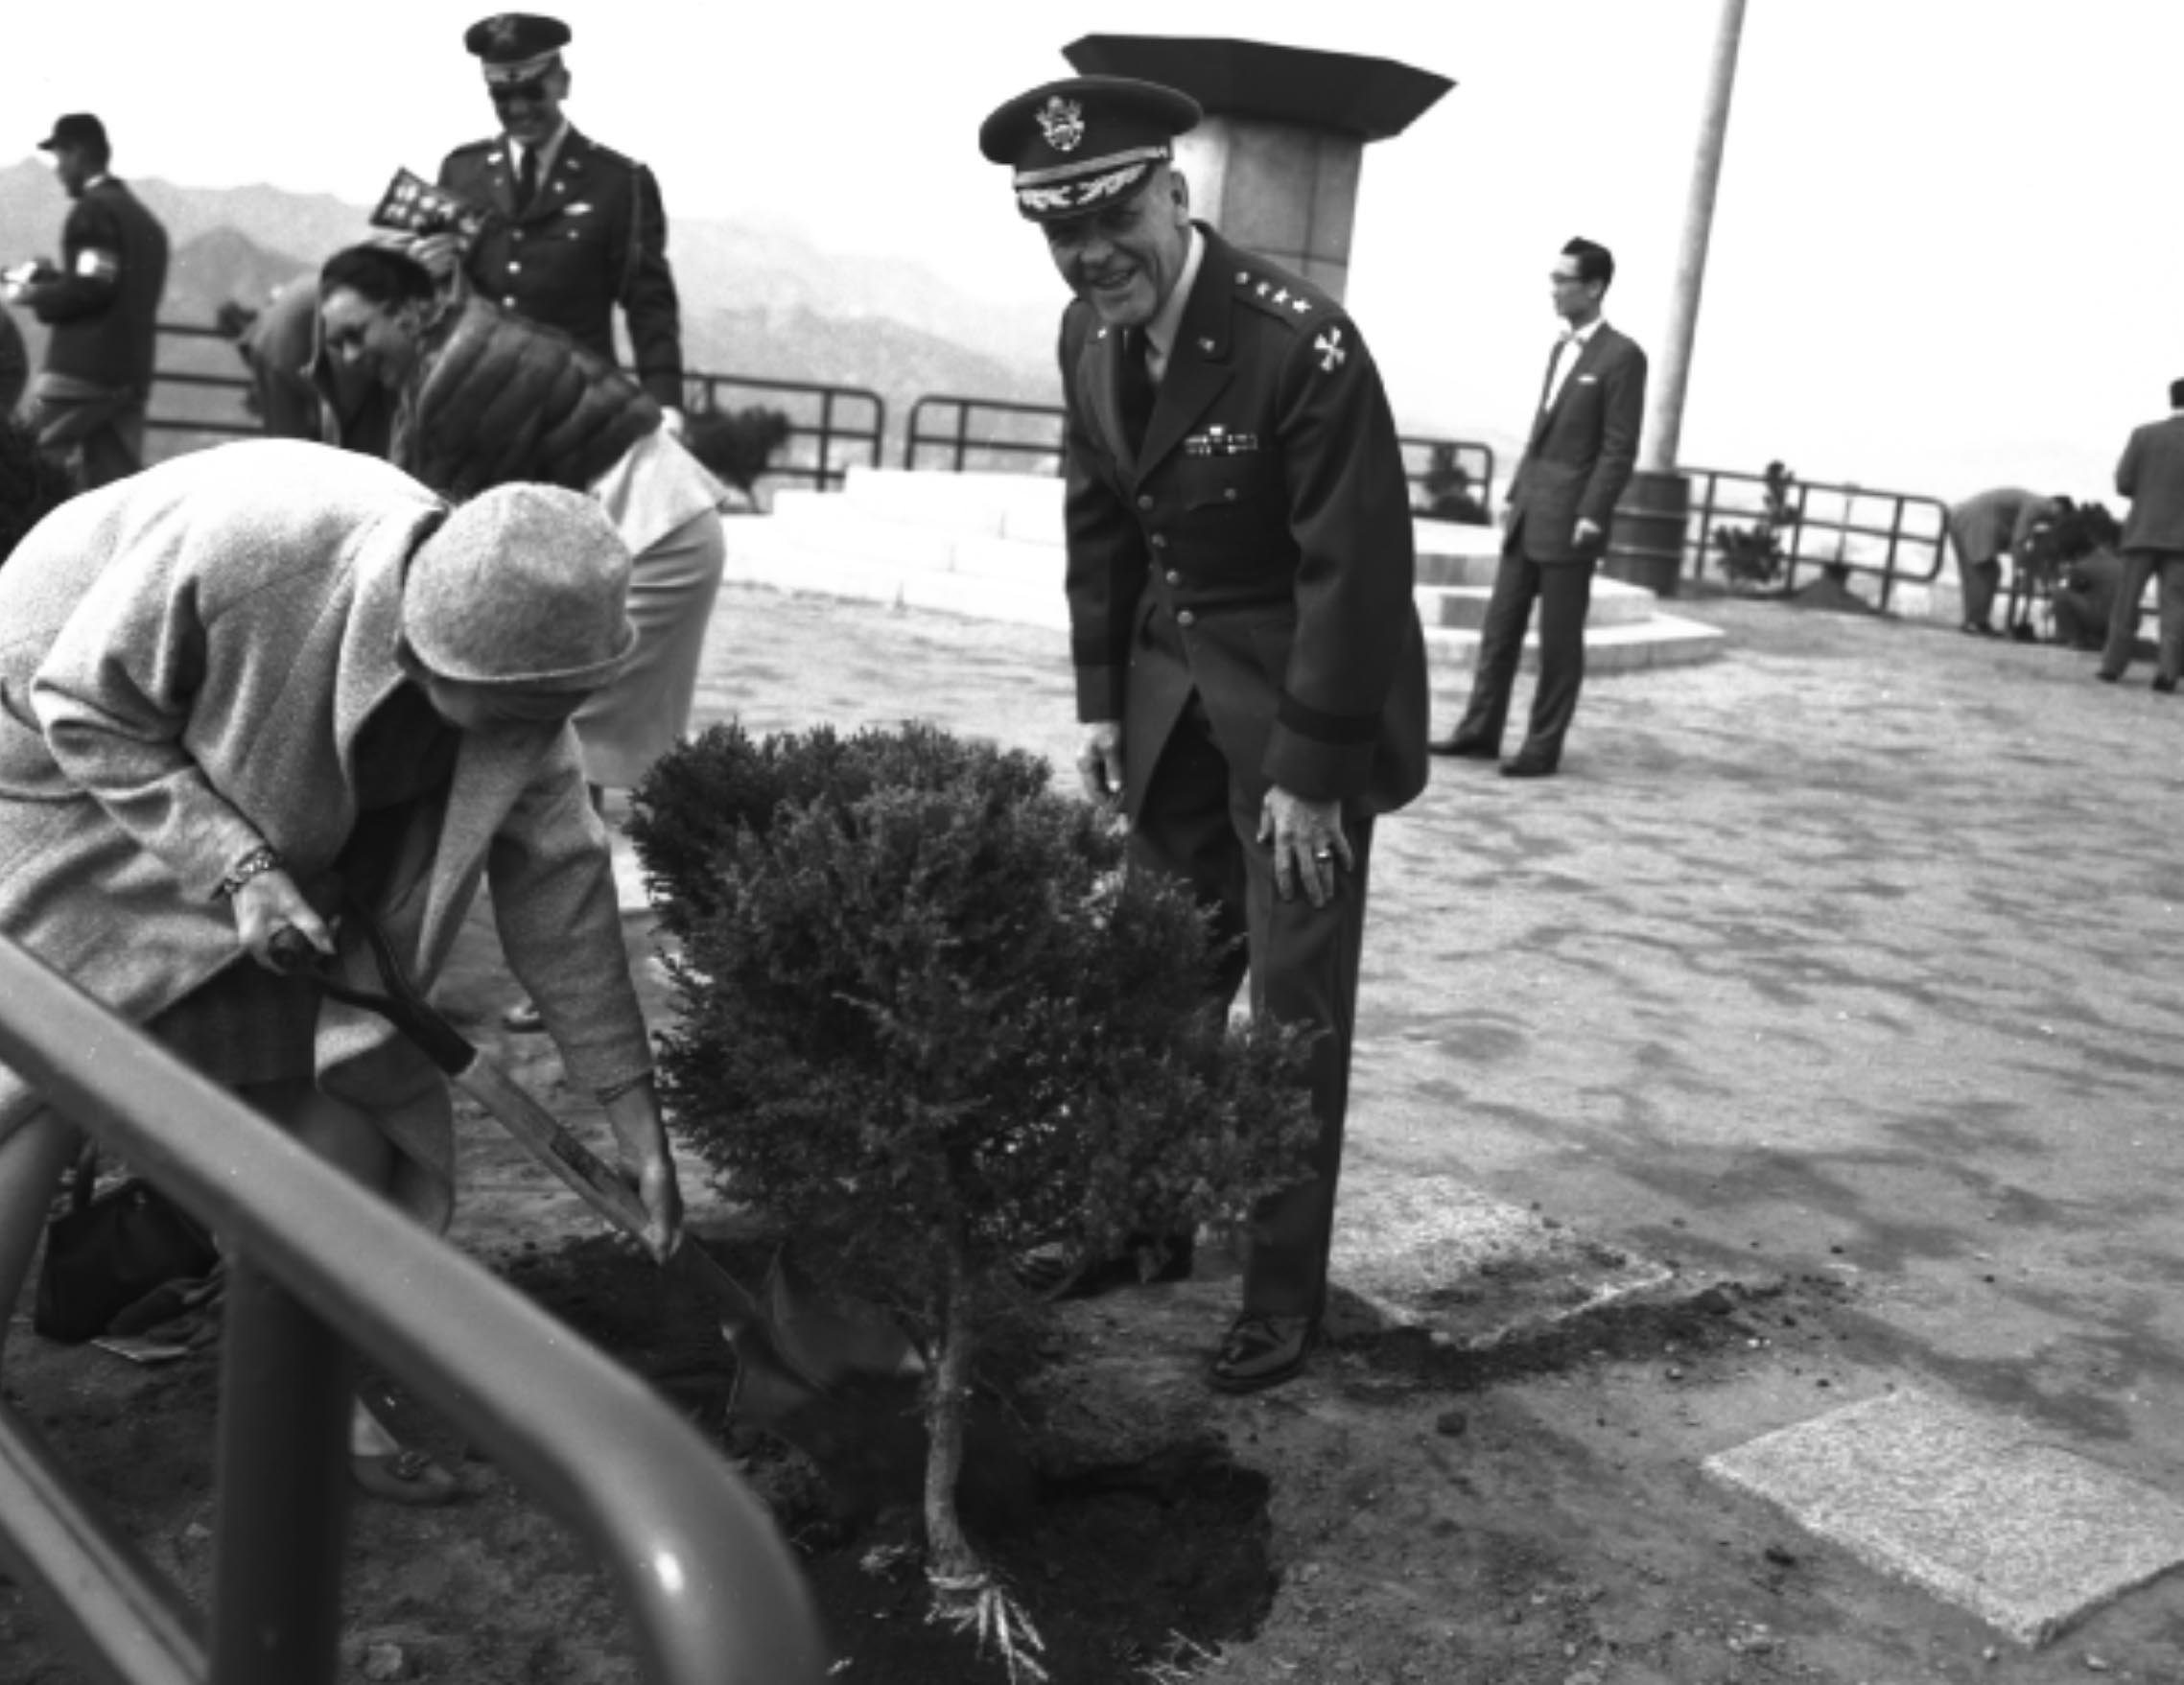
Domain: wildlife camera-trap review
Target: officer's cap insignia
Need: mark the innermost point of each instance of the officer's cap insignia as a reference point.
(1063, 123)
(1080, 145)
(502, 29)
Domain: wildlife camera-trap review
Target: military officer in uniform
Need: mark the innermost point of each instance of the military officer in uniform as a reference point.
(580, 227)
(1250, 671)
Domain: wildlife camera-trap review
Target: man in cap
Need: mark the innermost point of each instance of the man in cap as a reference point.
(579, 228)
(102, 305)
(1251, 675)
(1582, 447)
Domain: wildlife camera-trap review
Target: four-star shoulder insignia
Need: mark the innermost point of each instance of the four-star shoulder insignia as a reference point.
(1283, 298)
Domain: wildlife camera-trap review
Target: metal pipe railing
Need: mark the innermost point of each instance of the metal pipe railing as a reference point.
(714, 1595)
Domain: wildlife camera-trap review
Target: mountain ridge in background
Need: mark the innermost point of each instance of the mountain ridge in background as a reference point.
(758, 300)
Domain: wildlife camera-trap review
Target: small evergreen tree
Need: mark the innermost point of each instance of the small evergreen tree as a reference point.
(928, 1022)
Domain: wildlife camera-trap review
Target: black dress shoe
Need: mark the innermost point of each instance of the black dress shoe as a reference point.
(1262, 1351)
(1054, 1271)
(2166, 686)
(1467, 748)
(2106, 677)
(1528, 766)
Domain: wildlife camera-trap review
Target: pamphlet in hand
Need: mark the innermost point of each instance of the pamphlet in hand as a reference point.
(414, 206)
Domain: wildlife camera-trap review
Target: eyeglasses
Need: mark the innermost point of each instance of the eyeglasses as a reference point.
(531, 90)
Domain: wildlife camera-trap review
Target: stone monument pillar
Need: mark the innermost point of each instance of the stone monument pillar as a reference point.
(1275, 164)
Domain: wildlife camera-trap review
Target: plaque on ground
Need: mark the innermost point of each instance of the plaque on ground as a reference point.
(1427, 1251)
(1993, 1516)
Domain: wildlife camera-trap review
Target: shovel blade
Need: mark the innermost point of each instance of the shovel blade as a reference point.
(830, 1343)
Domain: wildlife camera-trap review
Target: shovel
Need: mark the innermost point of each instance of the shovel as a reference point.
(843, 1389)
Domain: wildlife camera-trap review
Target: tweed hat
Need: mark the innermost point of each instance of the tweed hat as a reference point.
(523, 587)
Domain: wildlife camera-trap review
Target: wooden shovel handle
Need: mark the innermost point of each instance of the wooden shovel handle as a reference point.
(596, 1182)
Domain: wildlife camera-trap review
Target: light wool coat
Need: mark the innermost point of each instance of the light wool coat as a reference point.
(186, 659)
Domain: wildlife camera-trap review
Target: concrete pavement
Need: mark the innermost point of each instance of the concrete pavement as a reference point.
(1845, 954)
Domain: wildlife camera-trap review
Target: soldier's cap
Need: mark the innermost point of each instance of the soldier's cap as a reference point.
(517, 45)
(76, 130)
(1081, 145)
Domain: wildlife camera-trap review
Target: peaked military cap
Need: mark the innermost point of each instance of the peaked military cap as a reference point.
(76, 130)
(1080, 145)
(515, 44)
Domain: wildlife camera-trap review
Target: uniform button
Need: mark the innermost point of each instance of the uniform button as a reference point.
(1185, 619)
(1159, 541)
(1174, 577)
(518, 236)
(1228, 492)
(509, 302)
(1144, 501)
(515, 269)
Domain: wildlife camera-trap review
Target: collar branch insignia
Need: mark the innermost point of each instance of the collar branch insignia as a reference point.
(1063, 123)
(1330, 344)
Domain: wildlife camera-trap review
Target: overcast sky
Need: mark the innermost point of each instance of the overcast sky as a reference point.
(1947, 253)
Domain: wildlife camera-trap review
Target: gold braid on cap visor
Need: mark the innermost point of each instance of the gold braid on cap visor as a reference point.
(1084, 192)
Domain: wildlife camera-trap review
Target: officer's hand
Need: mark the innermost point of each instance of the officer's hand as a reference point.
(672, 421)
(1587, 535)
(439, 254)
(1099, 761)
(1309, 843)
(270, 904)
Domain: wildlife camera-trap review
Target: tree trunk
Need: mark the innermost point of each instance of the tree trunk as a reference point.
(948, 1553)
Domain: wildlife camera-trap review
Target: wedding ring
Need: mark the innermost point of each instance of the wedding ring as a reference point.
(1323, 853)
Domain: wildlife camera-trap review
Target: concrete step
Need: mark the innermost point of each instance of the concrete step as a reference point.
(1664, 641)
(829, 545)
(1455, 570)
(848, 528)
(1464, 608)
(762, 554)
(1020, 561)
(979, 503)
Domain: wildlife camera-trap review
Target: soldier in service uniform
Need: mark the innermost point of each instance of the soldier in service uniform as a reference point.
(580, 227)
(1251, 675)
(102, 304)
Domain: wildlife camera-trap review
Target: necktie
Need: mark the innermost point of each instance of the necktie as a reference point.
(1566, 347)
(527, 179)
(1137, 389)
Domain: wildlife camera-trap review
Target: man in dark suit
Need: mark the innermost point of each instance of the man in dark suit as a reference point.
(2007, 521)
(578, 228)
(2152, 474)
(1582, 447)
(102, 304)
(1250, 671)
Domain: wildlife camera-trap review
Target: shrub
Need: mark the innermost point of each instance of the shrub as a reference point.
(737, 445)
(1754, 553)
(928, 1021)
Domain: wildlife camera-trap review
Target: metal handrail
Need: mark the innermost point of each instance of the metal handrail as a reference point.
(317, 1260)
(959, 444)
(238, 383)
(704, 389)
(1887, 527)
(1474, 457)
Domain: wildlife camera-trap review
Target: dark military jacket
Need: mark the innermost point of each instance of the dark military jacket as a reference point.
(1259, 550)
(103, 305)
(594, 236)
